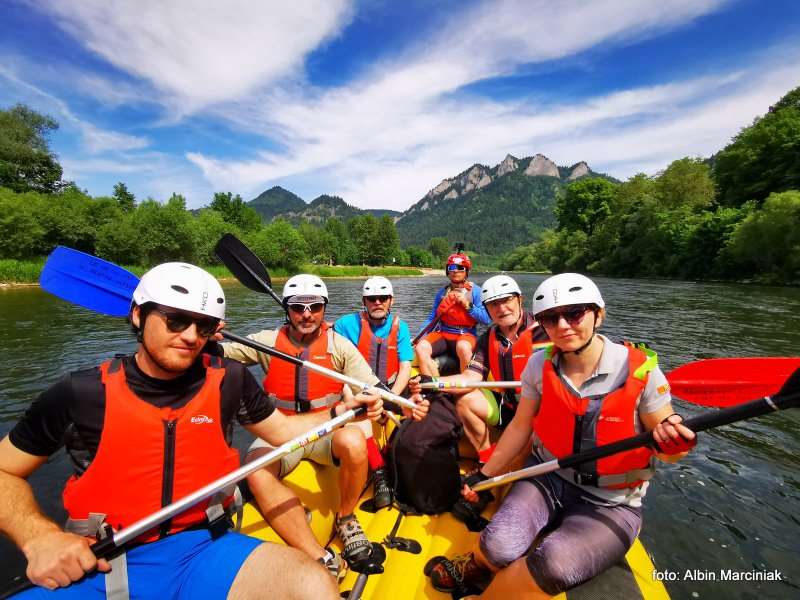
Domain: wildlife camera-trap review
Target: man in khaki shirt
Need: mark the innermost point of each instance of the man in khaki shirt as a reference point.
(296, 390)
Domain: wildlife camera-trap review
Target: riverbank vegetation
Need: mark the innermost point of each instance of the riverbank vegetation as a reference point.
(735, 216)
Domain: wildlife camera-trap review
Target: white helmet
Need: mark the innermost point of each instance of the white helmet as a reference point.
(377, 286)
(499, 286)
(182, 286)
(309, 286)
(565, 289)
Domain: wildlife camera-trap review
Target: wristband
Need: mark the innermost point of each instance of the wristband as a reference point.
(475, 477)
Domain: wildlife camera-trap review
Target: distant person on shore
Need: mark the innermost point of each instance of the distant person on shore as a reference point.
(580, 393)
(143, 431)
(457, 309)
(384, 341)
(295, 390)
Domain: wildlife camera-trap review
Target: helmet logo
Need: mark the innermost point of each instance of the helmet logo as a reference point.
(204, 301)
(555, 295)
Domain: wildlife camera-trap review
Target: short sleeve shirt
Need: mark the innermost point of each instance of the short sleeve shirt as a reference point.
(611, 373)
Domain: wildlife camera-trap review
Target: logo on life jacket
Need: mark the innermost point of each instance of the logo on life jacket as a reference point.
(200, 419)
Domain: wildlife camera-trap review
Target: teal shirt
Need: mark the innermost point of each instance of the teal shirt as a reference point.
(350, 327)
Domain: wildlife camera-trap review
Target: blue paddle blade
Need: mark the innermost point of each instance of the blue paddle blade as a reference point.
(88, 281)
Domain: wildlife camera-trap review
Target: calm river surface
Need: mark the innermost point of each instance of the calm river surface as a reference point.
(734, 503)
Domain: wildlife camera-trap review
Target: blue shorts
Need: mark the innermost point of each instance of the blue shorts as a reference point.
(185, 565)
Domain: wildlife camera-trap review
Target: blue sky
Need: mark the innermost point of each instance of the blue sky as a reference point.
(378, 101)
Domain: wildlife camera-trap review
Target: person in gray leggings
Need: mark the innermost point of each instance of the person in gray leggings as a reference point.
(556, 531)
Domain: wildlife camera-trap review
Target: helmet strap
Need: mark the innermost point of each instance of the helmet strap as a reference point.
(591, 338)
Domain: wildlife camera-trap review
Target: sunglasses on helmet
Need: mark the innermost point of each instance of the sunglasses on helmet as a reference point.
(178, 322)
(300, 308)
(572, 315)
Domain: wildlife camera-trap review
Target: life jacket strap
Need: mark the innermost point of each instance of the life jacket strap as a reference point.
(117, 578)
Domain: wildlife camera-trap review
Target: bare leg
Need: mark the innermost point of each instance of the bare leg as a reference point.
(464, 352)
(472, 409)
(349, 446)
(424, 352)
(282, 508)
(281, 572)
(514, 581)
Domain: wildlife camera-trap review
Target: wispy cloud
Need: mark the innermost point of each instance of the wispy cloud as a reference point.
(202, 52)
(376, 139)
(95, 139)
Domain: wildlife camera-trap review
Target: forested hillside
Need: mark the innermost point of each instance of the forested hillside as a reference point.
(491, 209)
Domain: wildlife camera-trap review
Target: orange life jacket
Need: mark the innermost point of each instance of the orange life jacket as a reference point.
(298, 390)
(568, 424)
(508, 365)
(381, 354)
(456, 315)
(149, 457)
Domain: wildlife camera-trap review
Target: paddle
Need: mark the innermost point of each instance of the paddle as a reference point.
(787, 397)
(105, 547)
(245, 265)
(426, 330)
(251, 272)
(70, 274)
(717, 382)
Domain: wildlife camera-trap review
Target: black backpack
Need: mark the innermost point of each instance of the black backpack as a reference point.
(423, 459)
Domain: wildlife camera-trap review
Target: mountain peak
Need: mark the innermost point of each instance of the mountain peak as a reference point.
(541, 165)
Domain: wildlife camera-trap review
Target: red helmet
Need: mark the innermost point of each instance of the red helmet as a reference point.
(458, 259)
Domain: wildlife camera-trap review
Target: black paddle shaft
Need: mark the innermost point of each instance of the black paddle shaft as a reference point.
(710, 420)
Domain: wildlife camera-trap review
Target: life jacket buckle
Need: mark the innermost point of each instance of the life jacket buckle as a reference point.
(220, 525)
(584, 478)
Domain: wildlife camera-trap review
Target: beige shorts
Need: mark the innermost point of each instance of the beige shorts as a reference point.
(321, 452)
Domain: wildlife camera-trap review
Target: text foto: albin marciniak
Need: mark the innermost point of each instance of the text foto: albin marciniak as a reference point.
(720, 575)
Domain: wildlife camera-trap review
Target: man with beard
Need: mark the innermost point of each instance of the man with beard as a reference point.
(294, 390)
(143, 431)
(383, 339)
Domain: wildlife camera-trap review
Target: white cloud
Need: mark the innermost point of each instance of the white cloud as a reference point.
(201, 52)
(96, 139)
(407, 111)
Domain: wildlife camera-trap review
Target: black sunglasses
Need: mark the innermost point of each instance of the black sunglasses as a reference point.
(377, 298)
(572, 315)
(180, 321)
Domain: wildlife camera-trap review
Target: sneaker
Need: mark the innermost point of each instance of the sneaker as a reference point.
(460, 572)
(356, 545)
(334, 563)
(382, 493)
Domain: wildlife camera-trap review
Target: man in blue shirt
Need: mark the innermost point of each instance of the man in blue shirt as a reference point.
(385, 342)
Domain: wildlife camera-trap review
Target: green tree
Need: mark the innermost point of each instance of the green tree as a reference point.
(234, 210)
(125, 199)
(388, 241)
(208, 228)
(419, 257)
(439, 248)
(279, 245)
(764, 157)
(26, 162)
(164, 232)
(585, 203)
(685, 182)
(363, 231)
(766, 244)
(21, 232)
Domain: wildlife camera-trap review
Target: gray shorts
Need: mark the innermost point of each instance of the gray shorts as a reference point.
(320, 452)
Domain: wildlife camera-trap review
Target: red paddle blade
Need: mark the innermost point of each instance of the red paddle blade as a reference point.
(725, 382)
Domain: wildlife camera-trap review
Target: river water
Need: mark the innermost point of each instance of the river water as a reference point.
(733, 504)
